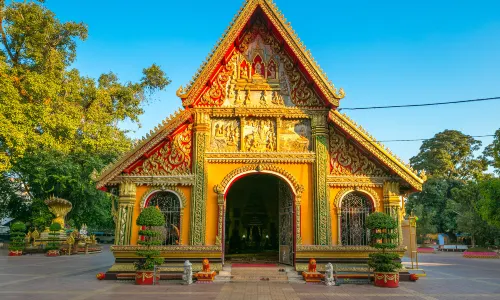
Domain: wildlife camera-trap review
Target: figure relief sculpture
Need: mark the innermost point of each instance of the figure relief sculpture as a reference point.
(295, 135)
(225, 135)
(277, 99)
(237, 99)
(260, 135)
(244, 70)
(263, 101)
(247, 98)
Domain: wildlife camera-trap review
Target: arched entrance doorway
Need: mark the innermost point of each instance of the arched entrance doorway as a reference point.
(259, 221)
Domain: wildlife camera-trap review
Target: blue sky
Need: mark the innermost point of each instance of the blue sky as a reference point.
(380, 52)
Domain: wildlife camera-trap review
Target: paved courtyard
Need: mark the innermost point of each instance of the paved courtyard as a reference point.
(39, 277)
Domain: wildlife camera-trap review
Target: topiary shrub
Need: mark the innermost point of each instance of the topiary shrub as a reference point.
(383, 233)
(17, 233)
(53, 243)
(149, 218)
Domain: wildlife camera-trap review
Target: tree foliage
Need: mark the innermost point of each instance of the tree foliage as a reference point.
(151, 218)
(459, 197)
(492, 152)
(57, 125)
(383, 233)
(450, 154)
(45, 104)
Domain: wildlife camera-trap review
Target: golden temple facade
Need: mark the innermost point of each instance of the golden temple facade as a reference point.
(260, 108)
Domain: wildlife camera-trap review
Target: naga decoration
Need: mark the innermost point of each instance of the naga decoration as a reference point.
(347, 159)
(60, 208)
(174, 158)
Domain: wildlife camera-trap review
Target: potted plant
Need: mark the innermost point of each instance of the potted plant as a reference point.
(17, 244)
(148, 219)
(52, 248)
(385, 265)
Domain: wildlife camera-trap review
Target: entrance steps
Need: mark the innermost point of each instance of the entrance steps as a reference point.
(280, 274)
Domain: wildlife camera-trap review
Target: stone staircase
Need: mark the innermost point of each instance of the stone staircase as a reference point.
(258, 274)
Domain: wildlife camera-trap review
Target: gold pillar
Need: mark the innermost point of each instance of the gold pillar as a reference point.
(220, 225)
(322, 222)
(298, 205)
(392, 205)
(199, 197)
(336, 218)
(126, 203)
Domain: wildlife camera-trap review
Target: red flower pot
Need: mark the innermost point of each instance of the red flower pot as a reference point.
(15, 252)
(384, 279)
(145, 277)
(52, 253)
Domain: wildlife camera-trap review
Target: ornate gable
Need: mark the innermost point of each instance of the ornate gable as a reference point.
(346, 159)
(172, 157)
(260, 62)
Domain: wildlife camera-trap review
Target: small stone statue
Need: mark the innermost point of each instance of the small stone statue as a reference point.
(329, 280)
(188, 273)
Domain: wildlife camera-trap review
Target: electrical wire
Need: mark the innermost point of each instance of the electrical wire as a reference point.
(418, 140)
(419, 105)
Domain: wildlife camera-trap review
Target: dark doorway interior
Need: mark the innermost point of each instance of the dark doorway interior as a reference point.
(254, 211)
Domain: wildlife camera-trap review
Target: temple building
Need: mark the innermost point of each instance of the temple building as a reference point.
(258, 160)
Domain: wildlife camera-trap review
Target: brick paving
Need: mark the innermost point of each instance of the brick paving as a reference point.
(73, 278)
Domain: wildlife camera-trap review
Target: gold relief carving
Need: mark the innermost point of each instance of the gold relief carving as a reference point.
(156, 189)
(330, 248)
(217, 93)
(261, 157)
(259, 135)
(358, 134)
(225, 136)
(167, 249)
(357, 180)
(110, 172)
(172, 180)
(284, 30)
(173, 158)
(391, 190)
(371, 193)
(127, 190)
(297, 187)
(347, 159)
(295, 135)
(301, 92)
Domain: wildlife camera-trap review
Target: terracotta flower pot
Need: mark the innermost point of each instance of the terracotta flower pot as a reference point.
(52, 253)
(386, 279)
(145, 277)
(15, 252)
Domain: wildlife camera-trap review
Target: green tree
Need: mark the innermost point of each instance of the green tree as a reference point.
(57, 125)
(489, 202)
(492, 151)
(451, 155)
(44, 104)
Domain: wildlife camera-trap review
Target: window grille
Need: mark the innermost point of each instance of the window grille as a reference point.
(354, 211)
(169, 205)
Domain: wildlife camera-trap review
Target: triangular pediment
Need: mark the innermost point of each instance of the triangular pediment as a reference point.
(259, 62)
(355, 153)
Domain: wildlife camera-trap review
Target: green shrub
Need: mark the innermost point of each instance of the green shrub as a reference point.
(17, 234)
(53, 243)
(383, 233)
(149, 218)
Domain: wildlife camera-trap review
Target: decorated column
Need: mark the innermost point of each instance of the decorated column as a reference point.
(298, 204)
(392, 205)
(126, 203)
(199, 197)
(322, 222)
(220, 223)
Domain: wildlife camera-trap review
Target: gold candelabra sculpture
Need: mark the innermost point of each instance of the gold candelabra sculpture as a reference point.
(60, 208)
